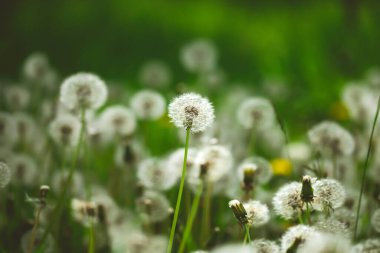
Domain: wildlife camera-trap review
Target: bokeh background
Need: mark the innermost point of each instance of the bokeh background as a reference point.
(313, 46)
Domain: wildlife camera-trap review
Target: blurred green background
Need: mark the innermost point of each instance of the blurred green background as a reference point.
(315, 46)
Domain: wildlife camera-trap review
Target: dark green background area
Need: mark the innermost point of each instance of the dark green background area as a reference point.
(315, 46)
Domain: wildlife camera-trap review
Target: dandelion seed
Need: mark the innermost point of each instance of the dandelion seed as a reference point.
(199, 56)
(119, 121)
(65, 130)
(83, 91)
(322, 243)
(191, 111)
(329, 194)
(155, 74)
(5, 175)
(148, 105)
(257, 213)
(287, 201)
(256, 113)
(329, 138)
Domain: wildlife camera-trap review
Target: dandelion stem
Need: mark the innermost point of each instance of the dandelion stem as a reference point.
(179, 197)
(246, 226)
(205, 232)
(33, 235)
(300, 220)
(370, 143)
(308, 214)
(193, 213)
(91, 238)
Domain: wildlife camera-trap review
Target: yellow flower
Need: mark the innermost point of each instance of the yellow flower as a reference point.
(281, 166)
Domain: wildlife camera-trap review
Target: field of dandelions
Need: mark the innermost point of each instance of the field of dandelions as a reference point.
(88, 166)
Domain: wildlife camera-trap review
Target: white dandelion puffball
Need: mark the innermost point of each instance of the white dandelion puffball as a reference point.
(8, 130)
(26, 127)
(257, 213)
(367, 246)
(328, 193)
(262, 169)
(81, 211)
(24, 169)
(375, 220)
(256, 113)
(155, 74)
(215, 161)
(59, 179)
(199, 56)
(332, 225)
(296, 233)
(200, 251)
(153, 173)
(322, 243)
(17, 97)
(329, 138)
(65, 130)
(234, 248)
(298, 151)
(118, 121)
(148, 104)
(153, 206)
(83, 90)
(5, 175)
(287, 201)
(191, 111)
(265, 246)
(36, 66)
(49, 243)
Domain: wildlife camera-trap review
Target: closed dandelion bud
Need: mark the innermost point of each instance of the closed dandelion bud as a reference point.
(307, 190)
(191, 111)
(101, 214)
(249, 175)
(44, 190)
(239, 211)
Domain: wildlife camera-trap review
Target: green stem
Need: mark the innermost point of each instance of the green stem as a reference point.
(193, 213)
(370, 142)
(300, 220)
(91, 248)
(33, 235)
(246, 226)
(179, 197)
(308, 214)
(205, 232)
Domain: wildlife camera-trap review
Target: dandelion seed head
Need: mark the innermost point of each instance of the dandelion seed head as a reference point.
(332, 225)
(26, 127)
(17, 97)
(59, 179)
(331, 139)
(191, 111)
(287, 200)
(24, 169)
(297, 234)
(298, 151)
(375, 220)
(153, 206)
(257, 213)
(65, 130)
(155, 74)
(256, 113)
(36, 66)
(148, 104)
(368, 246)
(83, 90)
(235, 248)
(199, 56)
(5, 175)
(265, 246)
(8, 133)
(119, 121)
(49, 243)
(322, 243)
(153, 173)
(84, 212)
(329, 193)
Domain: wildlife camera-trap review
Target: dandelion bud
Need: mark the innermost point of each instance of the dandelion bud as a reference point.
(248, 178)
(191, 111)
(44, 189)
(239, 211)
(307, 190)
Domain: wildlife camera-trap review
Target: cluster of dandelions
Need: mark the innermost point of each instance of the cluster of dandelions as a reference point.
(121, 179)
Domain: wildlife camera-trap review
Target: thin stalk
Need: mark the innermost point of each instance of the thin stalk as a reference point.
(33, 235)
(370, 141)
(246, 226)
(251, 142)
(193, 213)
(91, 248)
(308, 214)
(179, 197)
(205, 232)
(300, 220)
